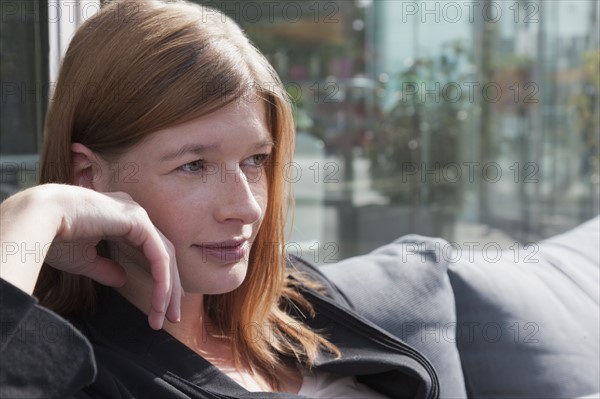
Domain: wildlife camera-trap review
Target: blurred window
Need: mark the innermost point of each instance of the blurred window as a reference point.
(474, 121)
(24, 80)
(34, 34)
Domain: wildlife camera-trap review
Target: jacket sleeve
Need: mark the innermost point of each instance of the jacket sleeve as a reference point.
(41, 354)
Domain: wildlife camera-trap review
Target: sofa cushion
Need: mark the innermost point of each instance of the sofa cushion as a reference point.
(404, 288)
(528, 319)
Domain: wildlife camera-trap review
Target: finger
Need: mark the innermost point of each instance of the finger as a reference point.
(173, 311)
(159, 253)
(104, 271)
(154, 248)
(161, 290)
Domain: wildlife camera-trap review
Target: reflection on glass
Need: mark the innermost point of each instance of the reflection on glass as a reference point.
(473, 121)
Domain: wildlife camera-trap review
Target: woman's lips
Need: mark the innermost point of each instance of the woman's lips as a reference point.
(223, 252)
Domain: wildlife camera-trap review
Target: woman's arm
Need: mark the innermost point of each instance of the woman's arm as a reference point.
(41, 354)
(28, 224)
(64, 218)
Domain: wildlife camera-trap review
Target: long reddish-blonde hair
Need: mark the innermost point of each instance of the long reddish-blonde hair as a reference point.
(138, 66)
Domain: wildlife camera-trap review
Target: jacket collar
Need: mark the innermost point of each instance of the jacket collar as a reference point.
(120, 325)
(384, 361)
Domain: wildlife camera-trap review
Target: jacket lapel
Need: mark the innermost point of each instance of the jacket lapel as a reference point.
(376, 357)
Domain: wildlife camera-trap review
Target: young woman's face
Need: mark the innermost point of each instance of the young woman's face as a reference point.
(204, 185)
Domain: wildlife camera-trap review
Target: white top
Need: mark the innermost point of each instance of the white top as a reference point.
(327, 385)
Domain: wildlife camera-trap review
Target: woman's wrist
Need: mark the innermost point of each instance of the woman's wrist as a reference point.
(30, 221)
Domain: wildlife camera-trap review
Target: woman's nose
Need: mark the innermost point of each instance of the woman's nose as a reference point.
(236, 200)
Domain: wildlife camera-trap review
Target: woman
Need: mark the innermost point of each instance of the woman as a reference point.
(177, 131)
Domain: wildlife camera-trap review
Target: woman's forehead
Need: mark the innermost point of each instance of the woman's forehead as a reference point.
(239, 123)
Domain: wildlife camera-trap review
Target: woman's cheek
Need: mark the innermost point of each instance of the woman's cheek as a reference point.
(260, 192)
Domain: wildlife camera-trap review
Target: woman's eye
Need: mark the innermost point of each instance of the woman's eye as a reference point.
(195, 166)
(256, 160)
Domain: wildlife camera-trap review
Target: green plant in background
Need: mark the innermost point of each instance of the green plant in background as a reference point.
(585, 103)
(417, 139)
(417, 144)
(587, 121)
(302, 119)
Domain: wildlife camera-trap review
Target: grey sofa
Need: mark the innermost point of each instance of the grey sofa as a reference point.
(519, 323)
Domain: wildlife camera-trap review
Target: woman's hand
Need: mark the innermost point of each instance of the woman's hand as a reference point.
(74, 220)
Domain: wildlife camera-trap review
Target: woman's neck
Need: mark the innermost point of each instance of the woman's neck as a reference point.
(196, 331)
(192, 330)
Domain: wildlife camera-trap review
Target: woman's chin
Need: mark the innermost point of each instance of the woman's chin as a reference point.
(224, 279)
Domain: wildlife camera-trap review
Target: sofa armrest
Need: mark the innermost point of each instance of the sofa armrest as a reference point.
(404, 288)
(528, 326)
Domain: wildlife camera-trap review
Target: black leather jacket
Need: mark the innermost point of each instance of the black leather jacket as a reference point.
(42, 355)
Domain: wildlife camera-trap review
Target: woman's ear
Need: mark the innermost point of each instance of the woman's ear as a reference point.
(87, 167)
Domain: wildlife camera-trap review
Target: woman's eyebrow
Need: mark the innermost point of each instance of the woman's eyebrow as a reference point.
(199, 149)
(264, 143)
(192, 148)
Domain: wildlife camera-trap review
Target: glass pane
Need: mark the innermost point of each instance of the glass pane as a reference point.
(473, 121)
(23, 72)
